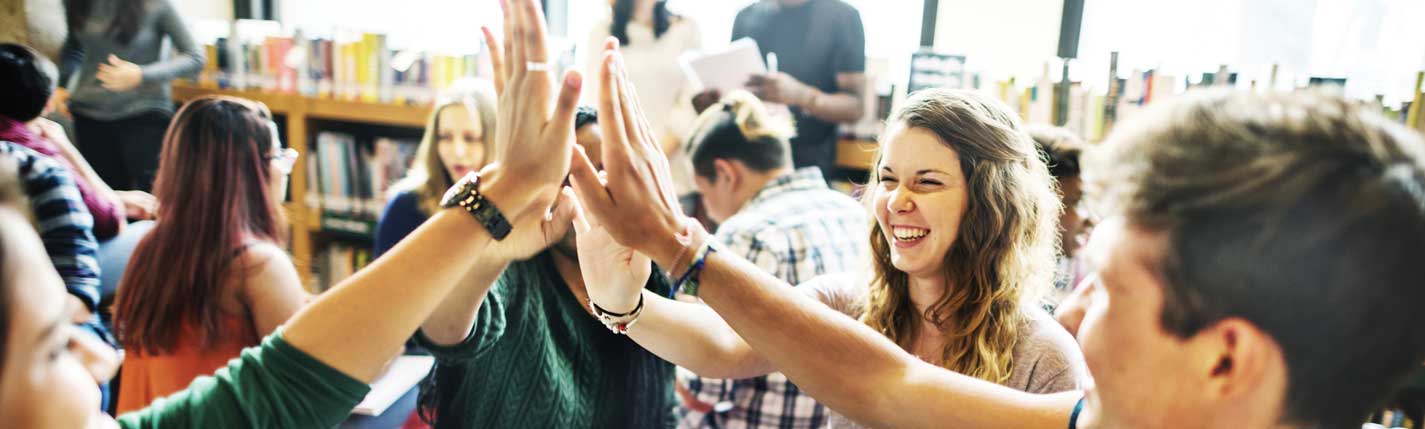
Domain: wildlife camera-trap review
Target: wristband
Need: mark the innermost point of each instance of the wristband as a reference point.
(617, 323)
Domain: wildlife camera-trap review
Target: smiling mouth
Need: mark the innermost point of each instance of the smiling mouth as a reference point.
(907, 235)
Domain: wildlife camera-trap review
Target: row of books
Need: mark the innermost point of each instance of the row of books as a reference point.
(1091, 112)
(337, 261)
(358, 67)
(352, 178)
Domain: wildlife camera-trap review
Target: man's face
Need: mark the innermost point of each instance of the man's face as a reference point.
(1144, 377)
(718, 197)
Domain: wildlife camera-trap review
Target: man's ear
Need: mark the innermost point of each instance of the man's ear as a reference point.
(1234, 358)
(727, 173)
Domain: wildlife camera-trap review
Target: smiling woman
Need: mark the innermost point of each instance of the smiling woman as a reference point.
(963, 240)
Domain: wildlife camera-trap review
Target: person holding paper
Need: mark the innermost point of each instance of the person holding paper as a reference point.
(820, 46)
(651, 39)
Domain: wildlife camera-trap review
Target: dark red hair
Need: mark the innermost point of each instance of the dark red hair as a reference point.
(212, 188)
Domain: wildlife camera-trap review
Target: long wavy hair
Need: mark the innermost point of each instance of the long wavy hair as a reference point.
(214, 195)
(427, 176)
(1004, 255)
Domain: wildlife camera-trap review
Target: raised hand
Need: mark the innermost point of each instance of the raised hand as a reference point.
(497, 60)
(636, 205)
(614, 274)
(532, 139)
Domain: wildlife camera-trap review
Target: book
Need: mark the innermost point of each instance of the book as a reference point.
(399, 378)
(724, 69)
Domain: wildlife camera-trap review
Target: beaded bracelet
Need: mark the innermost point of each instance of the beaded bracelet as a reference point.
(691, 279)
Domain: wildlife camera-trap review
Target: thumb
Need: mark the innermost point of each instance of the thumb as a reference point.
(581, 221)
(114, 59)
(564, 208)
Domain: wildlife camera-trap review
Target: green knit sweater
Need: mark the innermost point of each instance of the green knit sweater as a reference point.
(536, 359)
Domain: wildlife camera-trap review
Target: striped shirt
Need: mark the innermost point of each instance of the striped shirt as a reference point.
(62, 220)
(795, 228)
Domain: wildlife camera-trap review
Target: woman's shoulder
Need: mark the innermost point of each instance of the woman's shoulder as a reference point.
(840, 291)
(406, 202)
(1047, 358)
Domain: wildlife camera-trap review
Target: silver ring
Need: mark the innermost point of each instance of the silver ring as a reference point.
(534, 66)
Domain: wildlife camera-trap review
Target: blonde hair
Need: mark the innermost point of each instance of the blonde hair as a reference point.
(740, 127)
(427, 177)
(1004, 255)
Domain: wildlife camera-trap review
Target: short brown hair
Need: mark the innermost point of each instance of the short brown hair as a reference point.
(1301, 213)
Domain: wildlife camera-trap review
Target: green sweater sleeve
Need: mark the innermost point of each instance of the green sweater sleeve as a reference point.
(273, 385)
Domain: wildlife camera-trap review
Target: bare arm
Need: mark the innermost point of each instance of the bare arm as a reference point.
(844, 106)
(841, 362)
(455, 316)
(358, 325)
(271, 290)
(693, 336)
(858, 372)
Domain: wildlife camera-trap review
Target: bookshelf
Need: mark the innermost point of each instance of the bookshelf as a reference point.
(304, 115)
(305, 118)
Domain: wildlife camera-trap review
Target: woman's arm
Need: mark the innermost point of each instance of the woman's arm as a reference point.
(841, 362)
(189, 58)
(271, 289)
(362, 322)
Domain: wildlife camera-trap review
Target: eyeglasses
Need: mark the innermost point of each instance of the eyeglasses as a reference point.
(285, 160)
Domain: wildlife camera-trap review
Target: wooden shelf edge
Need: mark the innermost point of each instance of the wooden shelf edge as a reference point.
(856, 154)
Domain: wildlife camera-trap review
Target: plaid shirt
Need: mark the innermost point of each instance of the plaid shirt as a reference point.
(62, 220)
(795, 228)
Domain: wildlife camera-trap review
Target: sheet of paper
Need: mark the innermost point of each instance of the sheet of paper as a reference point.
(724, 69)
(404, 374)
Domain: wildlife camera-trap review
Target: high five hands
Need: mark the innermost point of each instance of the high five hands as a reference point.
(634, 200)
(534, 134)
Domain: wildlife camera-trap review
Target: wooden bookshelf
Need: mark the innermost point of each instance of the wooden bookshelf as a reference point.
(300, 111)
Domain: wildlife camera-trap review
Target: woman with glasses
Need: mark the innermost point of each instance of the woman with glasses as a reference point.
(212, 276)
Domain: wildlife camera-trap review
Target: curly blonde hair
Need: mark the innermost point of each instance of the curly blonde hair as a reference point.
(1004, 255)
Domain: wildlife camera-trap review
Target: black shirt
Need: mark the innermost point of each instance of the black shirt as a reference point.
(814, 42)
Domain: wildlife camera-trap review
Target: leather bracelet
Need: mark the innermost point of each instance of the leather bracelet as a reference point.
(617, 323)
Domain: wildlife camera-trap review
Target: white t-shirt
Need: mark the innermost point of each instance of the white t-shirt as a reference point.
(663, 90)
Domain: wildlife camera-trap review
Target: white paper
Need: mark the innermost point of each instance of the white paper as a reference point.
(404, 373)
(725, 69)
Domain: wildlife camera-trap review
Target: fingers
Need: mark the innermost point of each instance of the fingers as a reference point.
(563, 210)
(114, 59)
(593, 197)
(616, 148)
(535, 49)
(562, 123)
(497, 60)
(511, 27)
(581, 221)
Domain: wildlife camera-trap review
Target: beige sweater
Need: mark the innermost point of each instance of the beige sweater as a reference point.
(1045, 360)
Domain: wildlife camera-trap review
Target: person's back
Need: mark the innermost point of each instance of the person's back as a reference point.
(210, 278)
(787, 222)
(147, 377)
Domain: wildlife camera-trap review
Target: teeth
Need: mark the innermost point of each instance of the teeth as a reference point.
(907, 233)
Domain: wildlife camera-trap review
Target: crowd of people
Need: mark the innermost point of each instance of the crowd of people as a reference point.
(1220, 260)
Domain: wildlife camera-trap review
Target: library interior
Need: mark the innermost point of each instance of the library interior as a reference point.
(452, 214)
